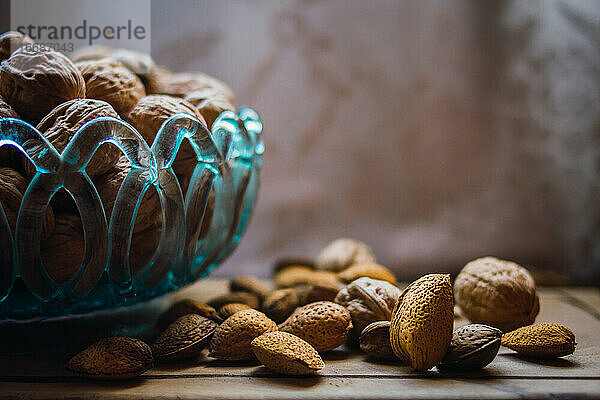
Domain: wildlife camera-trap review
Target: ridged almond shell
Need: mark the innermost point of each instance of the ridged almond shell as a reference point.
(287, 354)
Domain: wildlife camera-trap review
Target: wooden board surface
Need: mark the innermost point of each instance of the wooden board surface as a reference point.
(39, 374)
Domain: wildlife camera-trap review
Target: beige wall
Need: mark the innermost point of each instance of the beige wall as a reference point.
(435, 131)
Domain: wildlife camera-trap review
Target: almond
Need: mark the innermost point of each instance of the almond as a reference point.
(250, 284)
(324, 324)
(287, 354)
(422, 321)
(236, 297)
(113, 358)
(281, 304)
(233, 337)
(544, 340)
(289, 261)
(300, 275)
(368, 270)
(184, 307)
(342, 253)
(228, 310)
(184, 338)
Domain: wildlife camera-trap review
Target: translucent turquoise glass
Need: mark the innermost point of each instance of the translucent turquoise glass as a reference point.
(228, 163)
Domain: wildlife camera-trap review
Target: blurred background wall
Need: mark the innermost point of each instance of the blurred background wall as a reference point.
(437, 132)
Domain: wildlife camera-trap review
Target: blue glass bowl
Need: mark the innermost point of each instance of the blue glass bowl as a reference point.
(229, 162)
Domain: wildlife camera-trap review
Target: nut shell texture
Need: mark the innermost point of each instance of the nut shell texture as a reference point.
(287, 354)
(184, 307)
(113, 358)
(110, 81)
(11, 41)
(375, 340)
(34, 82)
(281, 304)
(422, 321)
(369, 270)
(472, 347)
(368, 300)
(233, 337)
(184, 338)
(324, 324)
(545, 340)
(498, 293)
(342, 253)
(64, 121)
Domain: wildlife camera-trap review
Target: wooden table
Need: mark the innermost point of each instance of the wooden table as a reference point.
(347, 374)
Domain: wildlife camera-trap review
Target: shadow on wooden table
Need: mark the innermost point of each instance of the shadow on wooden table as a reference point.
(549, 362)
(303, 381)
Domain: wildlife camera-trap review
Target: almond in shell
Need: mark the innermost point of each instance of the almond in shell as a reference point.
(185, 338)
(544, 340)
(342, 253)
(324, 324)
(184, 307)
(287, 354)
(368, 270)
(422, 320)
(233, 337)
(113, 358)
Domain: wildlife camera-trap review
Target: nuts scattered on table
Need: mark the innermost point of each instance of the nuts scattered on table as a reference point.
(287, 354)
(375, 340)
(113, 358)
(544, 340)
(472, 347)
(342, 253)
(422, 320)
(233, 337)
(185, 338)
(496, 292)
(324, 324)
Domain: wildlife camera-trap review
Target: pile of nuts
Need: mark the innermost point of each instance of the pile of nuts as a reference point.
(345, 297)
(58, 95)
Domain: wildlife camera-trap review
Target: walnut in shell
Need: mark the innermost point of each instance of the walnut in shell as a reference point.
(183, 84)
(64, 121)
(496, 292)
(9, 155)
(62, 252)
(11, 41)
(90, 53)
(108, 185)
(110, 81)
(140, 64)
(34, 82)
(210, 102)
(149, 114)
(368, 300)
(12, 188)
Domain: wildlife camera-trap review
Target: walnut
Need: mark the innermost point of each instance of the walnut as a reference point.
(368, 300)
(139, 63)
(143, 245)
(210, 102)
(63, 251)
(34, 82)
(182, 84)
(112, 82)
(108, 185)
(12, 188)
(11, 41)
(64, 121)
(496, 292)
(149, 114)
